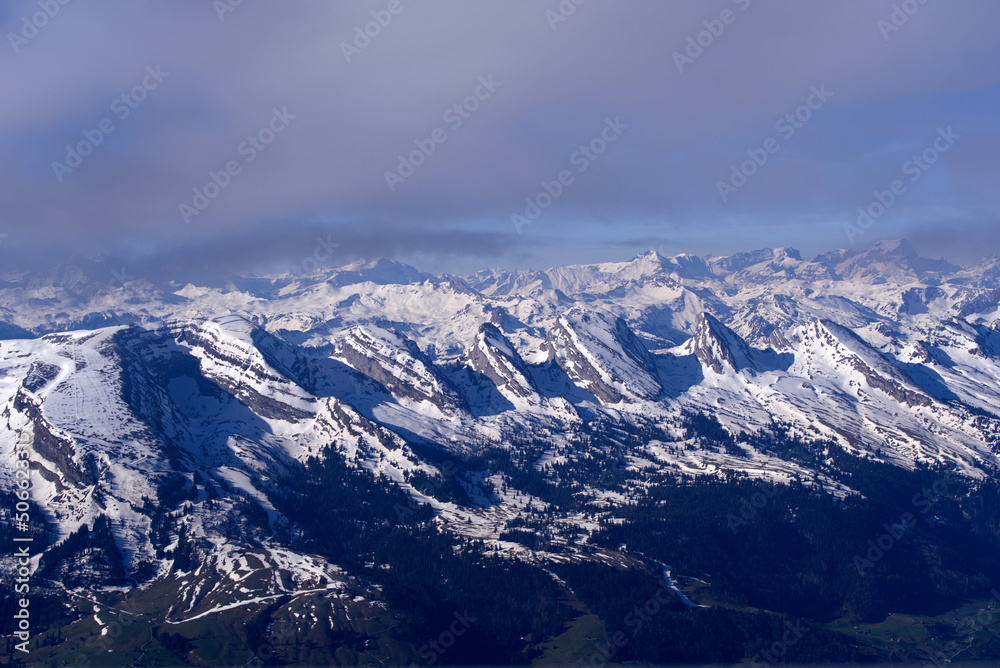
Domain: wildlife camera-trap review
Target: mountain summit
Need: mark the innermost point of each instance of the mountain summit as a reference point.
(346, 455)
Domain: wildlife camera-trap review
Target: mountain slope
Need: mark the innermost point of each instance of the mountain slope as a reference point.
(351, 444)
(603, 356)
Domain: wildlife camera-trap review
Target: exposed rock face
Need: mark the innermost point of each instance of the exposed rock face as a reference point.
(493, 356)
(184, 432)
(718, 347)
(604, 356)
(397, 363)
(880, 373)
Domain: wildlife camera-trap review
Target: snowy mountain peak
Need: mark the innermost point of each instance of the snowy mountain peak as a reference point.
(787, 252)
(653, 264)
(182, 435)
(686, 266)
(718, 347)
(854, 359)
(493, 356)
(601, 354)
(887, 261)
(651, 256)
(398, 364)
(899, 247)
(379, 272)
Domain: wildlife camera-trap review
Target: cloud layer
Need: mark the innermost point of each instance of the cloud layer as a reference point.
(488, 103)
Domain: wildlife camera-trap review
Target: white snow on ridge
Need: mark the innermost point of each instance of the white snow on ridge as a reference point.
(887, 354)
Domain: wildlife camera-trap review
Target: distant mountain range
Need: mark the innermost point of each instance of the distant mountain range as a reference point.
(275, 451)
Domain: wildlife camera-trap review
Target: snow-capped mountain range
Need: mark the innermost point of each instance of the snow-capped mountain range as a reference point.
(222, 390)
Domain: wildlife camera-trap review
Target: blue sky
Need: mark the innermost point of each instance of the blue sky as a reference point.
(536, 84)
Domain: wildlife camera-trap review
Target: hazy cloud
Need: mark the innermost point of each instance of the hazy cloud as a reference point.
(347, 123)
